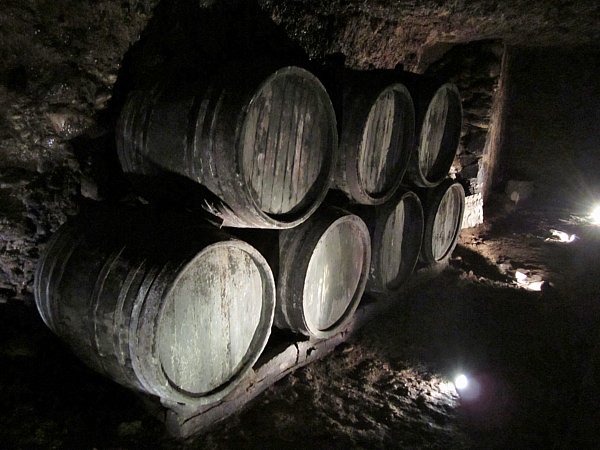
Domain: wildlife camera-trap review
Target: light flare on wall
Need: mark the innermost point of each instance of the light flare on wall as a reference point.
(469, 388)
(461, 382)
(595, 214)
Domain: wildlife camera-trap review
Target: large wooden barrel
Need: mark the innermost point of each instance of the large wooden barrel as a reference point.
(323, 269)
(376, 140)
(263, 143)
(181, 320)
(396, 232)
(444, 207)
(439, 123)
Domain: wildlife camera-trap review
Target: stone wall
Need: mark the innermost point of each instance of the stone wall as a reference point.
(60, 61)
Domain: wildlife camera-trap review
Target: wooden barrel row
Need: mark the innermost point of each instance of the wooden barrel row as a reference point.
(395, 128)
(401, 129)
(411, 227)
(187, 317)
(264, 144)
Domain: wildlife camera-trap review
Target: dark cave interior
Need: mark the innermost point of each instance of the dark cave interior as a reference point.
(516, 307)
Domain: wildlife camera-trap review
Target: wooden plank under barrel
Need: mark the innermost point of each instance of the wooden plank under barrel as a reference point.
(323, 269)
(444, 208)
(183, 319)
(262, 142)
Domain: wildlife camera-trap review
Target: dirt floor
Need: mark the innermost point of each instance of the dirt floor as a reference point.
(529, 356)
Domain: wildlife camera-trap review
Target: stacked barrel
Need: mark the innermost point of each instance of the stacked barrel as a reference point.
(439, 121)
(184, 320)
(399, 136)
(174, 306)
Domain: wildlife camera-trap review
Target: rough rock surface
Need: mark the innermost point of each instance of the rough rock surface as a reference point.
(60, 61)
(66, 65)
(383, 33)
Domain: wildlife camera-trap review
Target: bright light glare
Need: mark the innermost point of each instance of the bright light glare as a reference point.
(595, 215)
(461, 382)
(535, 286)
(521, 277)
(561, 236)
(533, 283)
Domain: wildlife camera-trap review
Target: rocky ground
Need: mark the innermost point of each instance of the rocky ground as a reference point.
(530, 352)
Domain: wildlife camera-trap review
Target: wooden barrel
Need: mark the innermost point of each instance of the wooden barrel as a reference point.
(376, 140)
(439, 123)
(323, 269)
(396, 232)
(263, 142)
(444, 207)
(181, 320)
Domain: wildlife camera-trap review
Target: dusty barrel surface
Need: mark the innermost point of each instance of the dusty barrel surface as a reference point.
(444, 207)
(183, 321)
(439, 123)
(323, 269)
(396, 232)
(263, 142)
(376, 140)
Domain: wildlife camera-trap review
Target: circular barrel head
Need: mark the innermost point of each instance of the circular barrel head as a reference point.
(333, 275)
(376, 142)
(397, 236)
(438, 138)
(445, 208)
(386, 140)
(287, 143)
(323, 269)
(215, 319)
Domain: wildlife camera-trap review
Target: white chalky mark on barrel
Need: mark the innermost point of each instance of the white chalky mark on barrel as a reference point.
(210, 319)
(333, 275)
